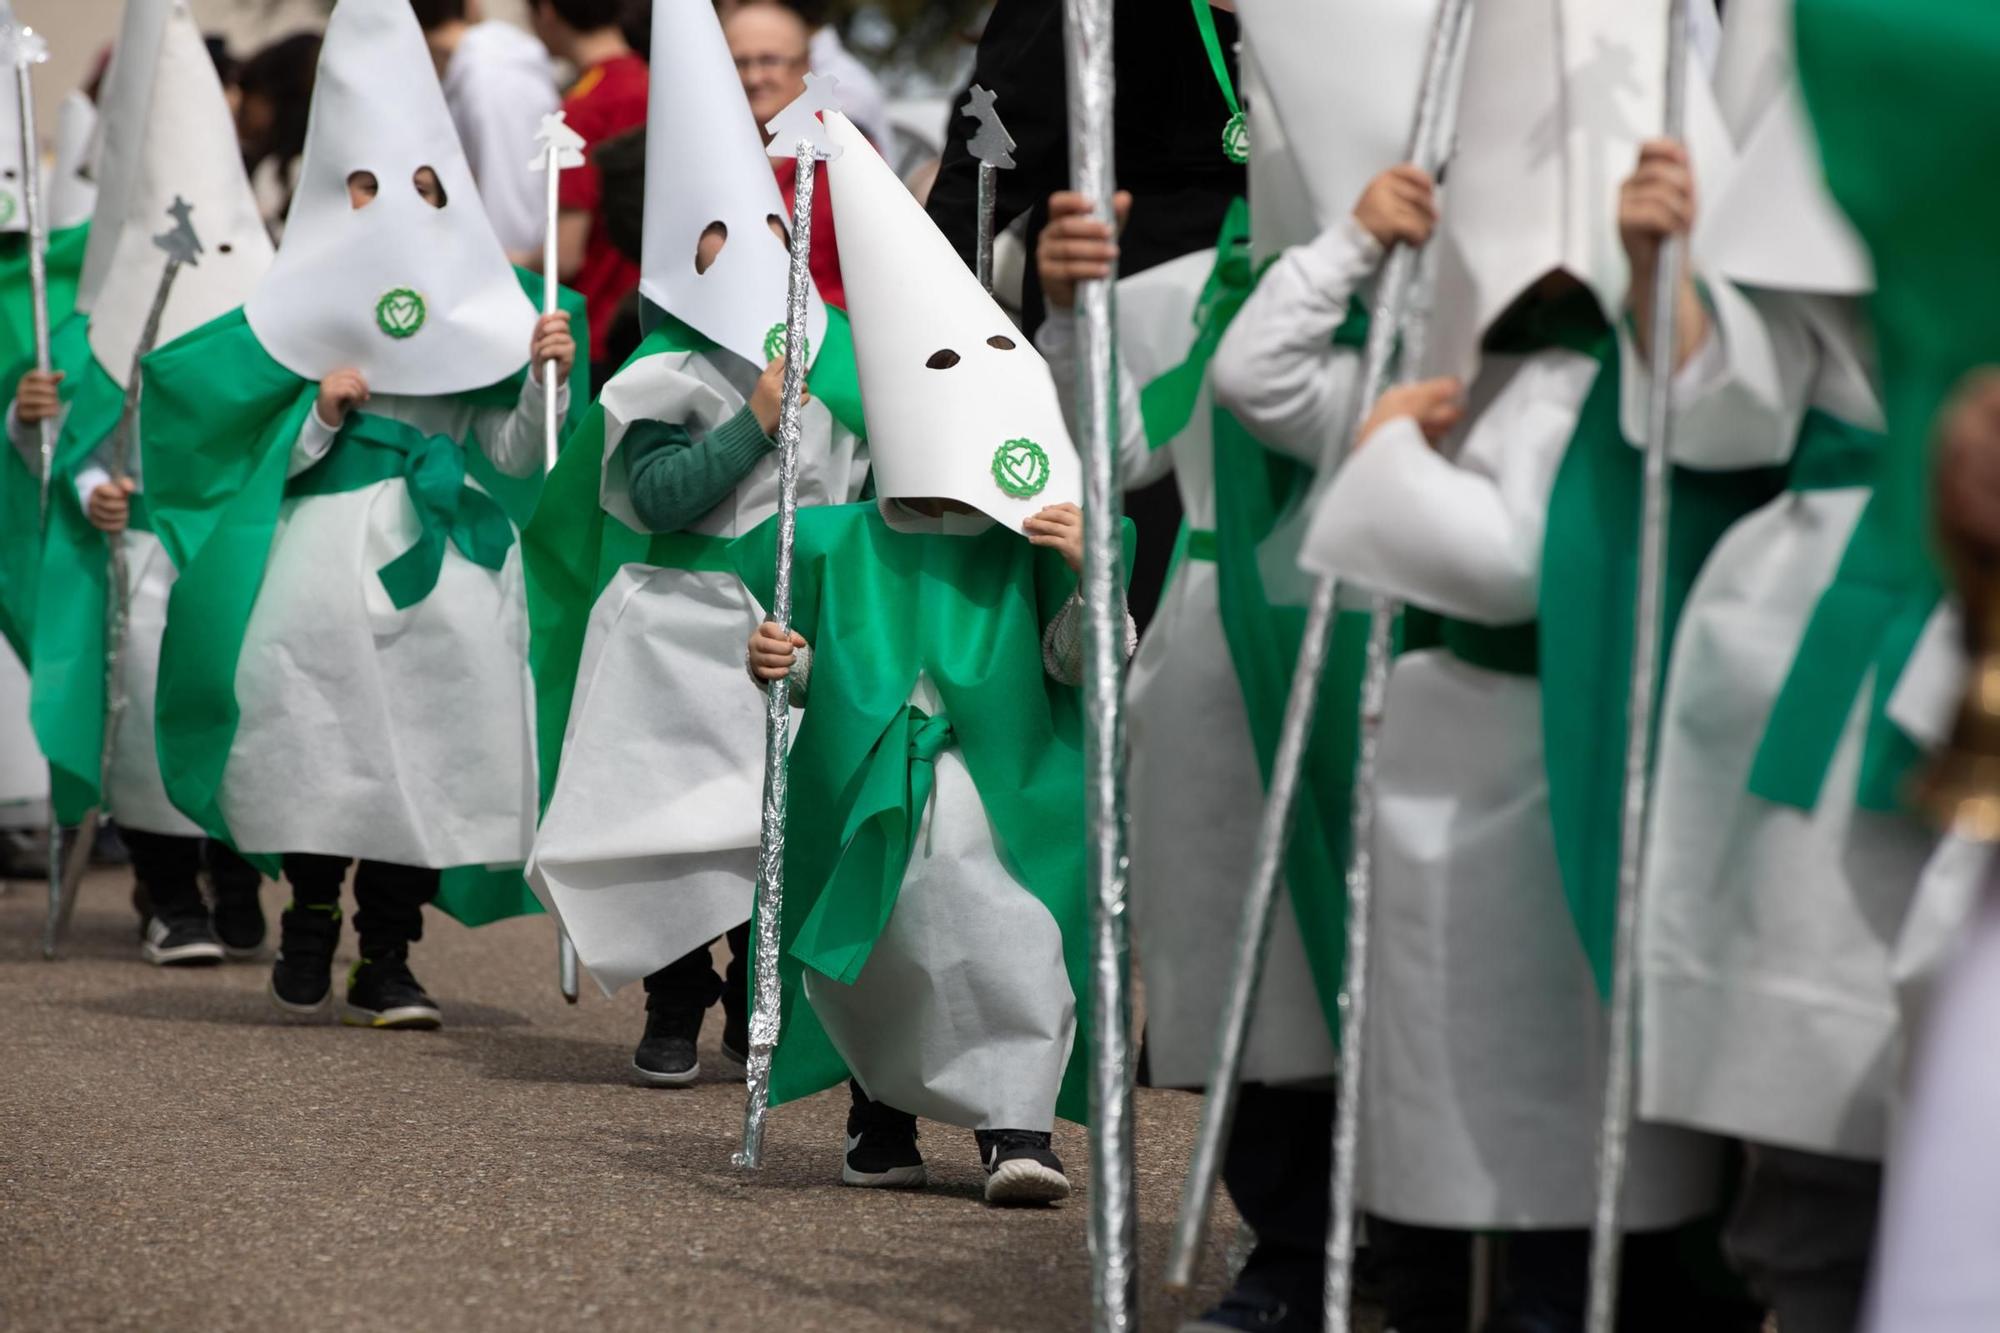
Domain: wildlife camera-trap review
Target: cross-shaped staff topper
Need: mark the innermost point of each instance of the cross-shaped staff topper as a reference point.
(179, 241)
(800, 120)
(23, 46)
(990, 143)
(557, 138)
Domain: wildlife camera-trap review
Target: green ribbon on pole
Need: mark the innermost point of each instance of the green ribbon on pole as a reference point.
(372, 449)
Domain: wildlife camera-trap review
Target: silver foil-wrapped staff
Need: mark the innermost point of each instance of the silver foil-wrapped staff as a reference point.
(993, 148)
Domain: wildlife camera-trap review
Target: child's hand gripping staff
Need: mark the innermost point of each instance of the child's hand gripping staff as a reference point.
(797, 133)
(110, 510)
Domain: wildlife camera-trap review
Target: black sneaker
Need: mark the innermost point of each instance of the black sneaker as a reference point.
(1020, 1169)
(382, 993)
(666, 1055)
(239, 924)
(181, 941)
(302, 976)
(142, 903)
(881, 1147)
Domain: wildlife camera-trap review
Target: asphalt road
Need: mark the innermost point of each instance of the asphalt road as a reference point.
(172, 1157)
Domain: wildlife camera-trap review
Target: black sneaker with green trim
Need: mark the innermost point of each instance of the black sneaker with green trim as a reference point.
(302, 975)
(382, 993)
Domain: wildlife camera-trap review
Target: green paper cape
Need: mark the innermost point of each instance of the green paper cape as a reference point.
(1921, 184)
(879, 607)
(1589, 584)
(572, 547)
(63, 265)
(216, 453)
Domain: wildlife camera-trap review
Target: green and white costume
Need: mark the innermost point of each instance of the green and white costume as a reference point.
(345, 669)
(1488, 1034)
(1780, 865)
(648, 846)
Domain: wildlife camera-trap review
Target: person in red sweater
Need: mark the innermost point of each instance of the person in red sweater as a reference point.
(773, 50)
(607, 99)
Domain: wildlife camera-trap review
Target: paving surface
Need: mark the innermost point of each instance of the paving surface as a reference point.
(171, 1157)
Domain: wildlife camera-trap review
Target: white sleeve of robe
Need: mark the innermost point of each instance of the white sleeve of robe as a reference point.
(1139, 464)
(1464, 537)
(513, 438)
(1277, 369)
(1739, 401)
(27, 440)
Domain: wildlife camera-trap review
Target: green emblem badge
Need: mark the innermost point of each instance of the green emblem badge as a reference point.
(7, 208)
(400, 312)
(1020, 468)
(774, 344)
(1236, 139)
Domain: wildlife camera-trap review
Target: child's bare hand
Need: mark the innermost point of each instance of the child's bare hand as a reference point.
(340, 393)
(1398, 205)
(36, 399)
(1656, 201)
(1076, 247)
(1435, 405)
(1061, 527)
(767, 400)
(110, 507)
(772, 651)
(552, 342)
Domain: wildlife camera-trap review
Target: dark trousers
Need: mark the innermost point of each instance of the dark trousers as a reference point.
(1803, 1235)
(1669, 1281)
(689, 983)
(1277, 1167)
(388, 899)
(168, 867)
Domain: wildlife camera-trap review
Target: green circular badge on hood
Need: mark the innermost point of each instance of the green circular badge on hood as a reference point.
(774, 344)
(8, 207)
(400, 312)
(1020, 468)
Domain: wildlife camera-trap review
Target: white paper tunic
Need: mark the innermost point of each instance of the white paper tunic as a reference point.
(963, 1012)
(649, 846)
(400, 736)
(1487, 1038)
(24, 774)
(1768, 1010)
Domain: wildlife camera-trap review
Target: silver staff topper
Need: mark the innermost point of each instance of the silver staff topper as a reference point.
(994, 149)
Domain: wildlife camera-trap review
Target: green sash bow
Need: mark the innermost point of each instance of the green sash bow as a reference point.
(877, 838)
(1589, 579)
(371, 449)
(1868, 620)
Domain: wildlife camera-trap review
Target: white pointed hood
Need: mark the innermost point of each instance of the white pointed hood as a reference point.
(123, 101)
(189, 152)
(705, 163)
(1280, 213)
(960, 405)
(1775, 225)
(13, 204)
(1558, 96)
(420, 300)
(1340, 132)
(72, 192)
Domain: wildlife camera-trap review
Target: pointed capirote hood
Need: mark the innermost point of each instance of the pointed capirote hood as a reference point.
(72, 192)
(189, 152)
(419, 299)
(123, 101)
(13, 169)
(1338, 133)
(1558, 96)
(1775, 225)
(705, 164)
(1281, 215)
(960, 405)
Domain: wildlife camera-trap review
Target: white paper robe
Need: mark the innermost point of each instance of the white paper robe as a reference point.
(399, 736)
(1767, 1005)
(649, 845)
(1487, 1037)
(963, 1012)
(24, 774)
(1195, 791)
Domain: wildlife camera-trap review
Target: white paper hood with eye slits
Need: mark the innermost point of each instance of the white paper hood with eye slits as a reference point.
(72, 181)
(123, 101)
(188, 152)
(1558, 97)
(960, 405)
(13, 207)
(1342, 131)
(419, 299)
(705, 163)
